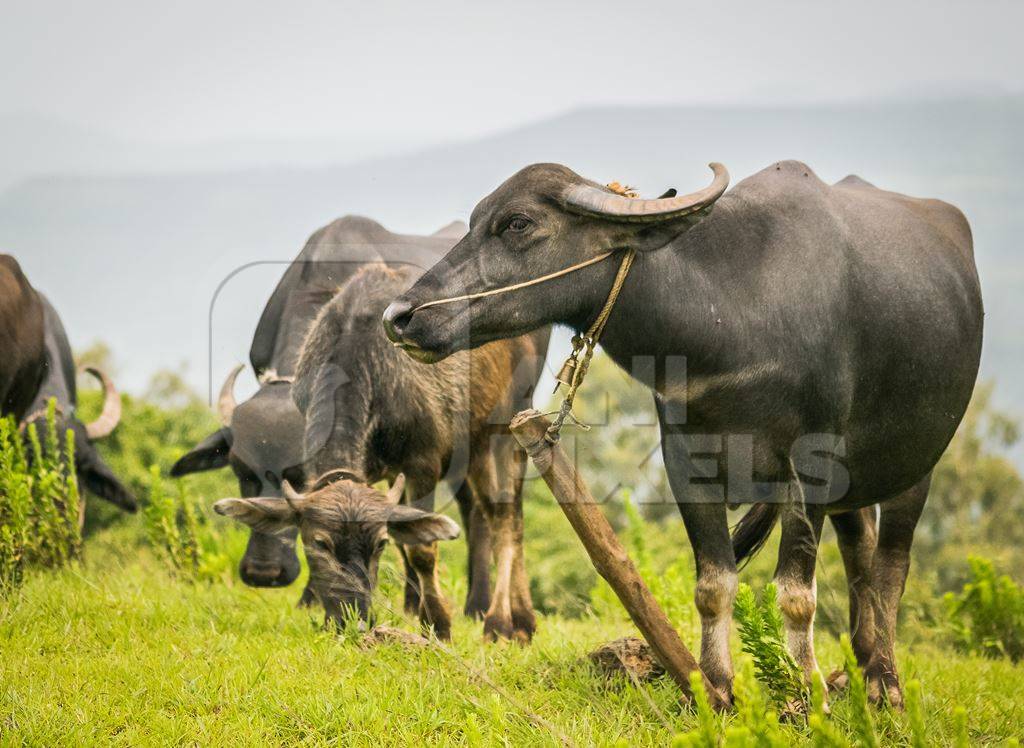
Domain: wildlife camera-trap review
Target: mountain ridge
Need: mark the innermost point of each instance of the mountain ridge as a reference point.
(159, 244)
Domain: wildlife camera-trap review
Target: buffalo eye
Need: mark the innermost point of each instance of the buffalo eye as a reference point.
(324, 544)
(379, 547)
(518, 223)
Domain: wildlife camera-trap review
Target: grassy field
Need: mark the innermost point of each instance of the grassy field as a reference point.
(117, 650)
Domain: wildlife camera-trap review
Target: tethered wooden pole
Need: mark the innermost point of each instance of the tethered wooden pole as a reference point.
(606, 552)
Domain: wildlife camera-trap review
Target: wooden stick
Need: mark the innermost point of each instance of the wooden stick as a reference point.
(606, 552)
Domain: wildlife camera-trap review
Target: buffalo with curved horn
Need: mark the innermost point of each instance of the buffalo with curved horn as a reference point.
(261, 438)
(21, 339)
(52, 375)
(814, 347)
(372, 414)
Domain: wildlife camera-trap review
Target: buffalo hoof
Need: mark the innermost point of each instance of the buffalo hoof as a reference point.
(476, 607)
(838, 681)
(497, 627)
(883, 687)
(722, 682)
(524, 624)
(439, 623)
(504, 629)
(442, 630)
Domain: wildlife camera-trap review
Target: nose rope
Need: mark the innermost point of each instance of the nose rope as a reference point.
(575, 367)
(517, 286)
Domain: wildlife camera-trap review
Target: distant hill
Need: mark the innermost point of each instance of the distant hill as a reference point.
(137, 259)
(32, 145)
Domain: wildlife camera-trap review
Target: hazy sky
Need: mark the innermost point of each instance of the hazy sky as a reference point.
(188, 71)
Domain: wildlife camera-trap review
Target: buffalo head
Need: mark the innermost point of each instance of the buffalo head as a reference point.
(345, 526)
(93, 473)
(542, 220)
(261, 440)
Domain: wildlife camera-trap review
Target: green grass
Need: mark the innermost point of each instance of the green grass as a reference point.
(116, 650)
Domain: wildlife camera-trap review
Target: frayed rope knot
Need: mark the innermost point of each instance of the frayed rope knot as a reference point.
(623, 189)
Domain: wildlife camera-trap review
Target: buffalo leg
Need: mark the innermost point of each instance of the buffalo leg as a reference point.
(708, 529)
(308, 599)
(478, 562)
(411, 596)
(857, 534)
(896, 524)
(707, 526)
(433, 609)
(524, 622)
(496, 485)
(794, 576)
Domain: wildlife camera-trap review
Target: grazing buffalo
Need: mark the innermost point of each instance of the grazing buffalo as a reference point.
(815, 348)
(22, 353)
(261, 438)
(38, 366)
(372, 414)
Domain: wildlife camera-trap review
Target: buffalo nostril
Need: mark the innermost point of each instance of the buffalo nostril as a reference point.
(259, 575)
(396, 317)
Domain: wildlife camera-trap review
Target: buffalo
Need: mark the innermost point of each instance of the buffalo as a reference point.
(261, 438)
(21, 339)
(815, 347)
(38, 366)
(372, 414)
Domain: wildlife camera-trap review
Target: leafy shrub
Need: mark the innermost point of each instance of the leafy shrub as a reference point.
(39, 501)
(756, 722)
(762, 637)
(158, 433)
(182, 534)
(976, 484)
(987, 617)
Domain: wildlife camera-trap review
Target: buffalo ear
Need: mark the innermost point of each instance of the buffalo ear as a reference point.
(99, 480)
(211, 453)
(410, 526)
(268, 515)
(645, 237)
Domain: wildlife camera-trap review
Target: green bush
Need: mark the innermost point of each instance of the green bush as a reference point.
(182, 534)
(158, 433)
(39, 501)
(755, 722)
(987, 617)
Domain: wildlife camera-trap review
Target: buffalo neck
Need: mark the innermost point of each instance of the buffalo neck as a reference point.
(343, 430)
(672, 310)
